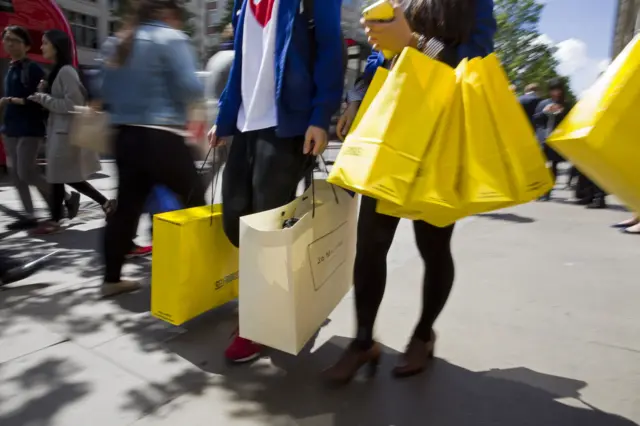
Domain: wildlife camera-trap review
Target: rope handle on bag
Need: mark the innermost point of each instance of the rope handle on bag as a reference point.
(215, 180)
(313, 188)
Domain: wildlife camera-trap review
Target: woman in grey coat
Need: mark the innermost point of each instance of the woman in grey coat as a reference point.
(66, 163)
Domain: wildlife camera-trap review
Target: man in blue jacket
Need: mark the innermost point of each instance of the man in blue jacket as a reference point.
(530, 100)
(285, 84)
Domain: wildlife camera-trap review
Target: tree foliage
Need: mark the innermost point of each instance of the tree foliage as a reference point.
(524, 54)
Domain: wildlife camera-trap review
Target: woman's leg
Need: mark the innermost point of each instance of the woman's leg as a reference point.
(171, 163)
(57, 201)
(134, 187)
(90, 191)
(554, 170)
(434, 245)
(145, 157)
(13, 160)
(28, 166)
(375, 236)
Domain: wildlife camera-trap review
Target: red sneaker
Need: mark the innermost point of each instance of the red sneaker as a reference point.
(242, 350)
(46, 228)
(139, 251)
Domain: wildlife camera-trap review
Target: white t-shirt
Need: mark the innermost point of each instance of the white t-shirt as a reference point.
(258, 110)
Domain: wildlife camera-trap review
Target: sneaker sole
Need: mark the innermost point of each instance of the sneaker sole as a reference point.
(245, 360)
(117, 292)
(44, 234)
(137, 256)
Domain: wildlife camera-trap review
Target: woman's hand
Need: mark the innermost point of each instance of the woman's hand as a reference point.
(393, 36)
(36, 97)
(553, 109)
(346, 120)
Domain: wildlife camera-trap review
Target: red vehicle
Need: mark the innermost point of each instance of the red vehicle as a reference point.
(37, 16)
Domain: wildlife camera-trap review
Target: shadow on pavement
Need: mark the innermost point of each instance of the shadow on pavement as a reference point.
(507, 217)
(610, 206)
(54, 374)
(288, 390)
(290, 387)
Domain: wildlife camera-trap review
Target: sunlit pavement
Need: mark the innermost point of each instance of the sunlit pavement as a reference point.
(542, 329)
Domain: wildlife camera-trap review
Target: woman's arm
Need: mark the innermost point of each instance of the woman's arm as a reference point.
(74, 93)
(374, 61)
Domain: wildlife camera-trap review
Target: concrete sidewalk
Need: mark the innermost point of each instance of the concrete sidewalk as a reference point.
(543, 329)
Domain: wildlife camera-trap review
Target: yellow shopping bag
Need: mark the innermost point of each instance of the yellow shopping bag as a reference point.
(374, 87)
(524, 159)
(600, 134)
(380, 158)
(194, 266)
(434, 195)
(486, 184)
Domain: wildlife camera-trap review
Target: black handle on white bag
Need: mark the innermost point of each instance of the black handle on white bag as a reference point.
(313, 189)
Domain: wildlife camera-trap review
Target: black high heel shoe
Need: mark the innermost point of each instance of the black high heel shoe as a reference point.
(352, 360)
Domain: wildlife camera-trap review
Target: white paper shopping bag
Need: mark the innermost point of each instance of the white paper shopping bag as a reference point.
(291, 279)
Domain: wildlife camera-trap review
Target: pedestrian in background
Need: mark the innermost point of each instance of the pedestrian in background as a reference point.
(24, 126)
(530, 100)
(218, 71)
(548, 115)
(148, 85)
(66, 164)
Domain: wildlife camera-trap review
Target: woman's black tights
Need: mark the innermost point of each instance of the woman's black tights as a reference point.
(58, 193)
(375, 235)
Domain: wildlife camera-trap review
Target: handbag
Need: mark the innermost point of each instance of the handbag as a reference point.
(91, 129)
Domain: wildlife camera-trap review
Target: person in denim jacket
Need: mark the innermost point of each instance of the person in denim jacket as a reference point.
(149, 82)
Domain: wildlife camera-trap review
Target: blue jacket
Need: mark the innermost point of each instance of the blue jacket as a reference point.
(530, 103)
(480, 43)
(546, 123)
(157, 83)
(306, 94)
(29, 119)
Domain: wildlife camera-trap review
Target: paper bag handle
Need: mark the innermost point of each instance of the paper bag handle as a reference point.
(216, 178)
(313, 189)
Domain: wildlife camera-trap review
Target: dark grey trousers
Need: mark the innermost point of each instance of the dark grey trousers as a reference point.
(22, 153)
(262, 173)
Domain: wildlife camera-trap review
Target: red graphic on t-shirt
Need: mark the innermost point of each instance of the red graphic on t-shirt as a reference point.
(262, 10)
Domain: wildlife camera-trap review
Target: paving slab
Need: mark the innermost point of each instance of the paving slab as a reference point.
(542, 328)
(23, 337)
(66, 385)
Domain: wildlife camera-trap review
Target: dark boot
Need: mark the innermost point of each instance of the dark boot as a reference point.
(416, 358)
(352, 360)
(598, 203)
(12, 271)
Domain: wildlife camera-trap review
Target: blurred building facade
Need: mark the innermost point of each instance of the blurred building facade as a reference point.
(92, 21)
(627, 24)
